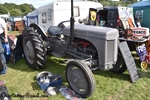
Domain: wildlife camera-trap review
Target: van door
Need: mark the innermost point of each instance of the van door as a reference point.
(92, 16)
(112, 18)
(102, 18)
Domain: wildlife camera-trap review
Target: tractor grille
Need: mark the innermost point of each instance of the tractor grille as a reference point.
(110, 50)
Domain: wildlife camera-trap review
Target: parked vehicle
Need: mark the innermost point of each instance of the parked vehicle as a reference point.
(57, 11)
(121, 18)
(86, 48)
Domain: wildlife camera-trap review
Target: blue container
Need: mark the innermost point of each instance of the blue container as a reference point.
(7, 50)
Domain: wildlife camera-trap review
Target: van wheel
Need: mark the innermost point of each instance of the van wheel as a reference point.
(34, 50)
(120, 65)
(80, 78)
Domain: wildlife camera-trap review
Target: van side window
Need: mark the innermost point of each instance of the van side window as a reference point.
(76, 11)
(111, 15)
(44, 17)
(49, 14)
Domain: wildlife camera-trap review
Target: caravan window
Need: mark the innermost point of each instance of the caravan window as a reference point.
(76, 11)
(49, 14)
(44, 17)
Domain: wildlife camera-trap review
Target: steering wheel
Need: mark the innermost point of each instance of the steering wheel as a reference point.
(61, 24)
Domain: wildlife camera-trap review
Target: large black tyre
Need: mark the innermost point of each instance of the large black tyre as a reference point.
(80, 78)
(34, 49)
(120, 65)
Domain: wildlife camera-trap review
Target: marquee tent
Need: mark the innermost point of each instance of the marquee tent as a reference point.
(141, 11)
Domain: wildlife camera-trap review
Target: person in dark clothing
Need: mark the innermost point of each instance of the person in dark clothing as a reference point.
(3, 35)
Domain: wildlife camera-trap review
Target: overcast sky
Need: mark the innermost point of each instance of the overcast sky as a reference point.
(35, 3)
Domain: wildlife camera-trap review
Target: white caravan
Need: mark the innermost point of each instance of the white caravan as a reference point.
(57, 11)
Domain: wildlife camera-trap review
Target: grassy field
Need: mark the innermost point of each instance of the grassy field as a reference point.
(14, 32)
(20, 80)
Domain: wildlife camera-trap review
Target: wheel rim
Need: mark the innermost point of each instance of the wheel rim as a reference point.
(143, 65)
(77, 79)
(28, 50)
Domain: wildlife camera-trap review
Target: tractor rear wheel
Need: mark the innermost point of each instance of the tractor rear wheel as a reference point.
(120, 65)
(34, 49)
(80, 78)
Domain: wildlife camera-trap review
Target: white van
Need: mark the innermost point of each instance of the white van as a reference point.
(57, 11)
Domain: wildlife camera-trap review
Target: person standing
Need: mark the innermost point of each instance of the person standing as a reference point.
(3, 35)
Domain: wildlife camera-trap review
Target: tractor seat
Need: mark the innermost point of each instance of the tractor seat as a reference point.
(54, 30)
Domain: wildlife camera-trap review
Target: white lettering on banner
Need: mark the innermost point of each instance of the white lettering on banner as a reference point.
(142, 51)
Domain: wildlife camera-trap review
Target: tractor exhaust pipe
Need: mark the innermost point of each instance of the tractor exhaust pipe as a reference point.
(72, 23)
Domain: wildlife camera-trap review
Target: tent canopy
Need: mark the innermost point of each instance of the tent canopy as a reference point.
(34, 13)
(145, 3)
(141, 11)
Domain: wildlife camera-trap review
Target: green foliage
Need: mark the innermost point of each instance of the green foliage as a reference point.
(11, 6)
(20, 79)
(114, 3)
(3, 10)
(26, 7)
(16, 10)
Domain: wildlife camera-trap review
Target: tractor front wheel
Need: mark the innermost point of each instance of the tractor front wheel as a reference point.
(80, 78)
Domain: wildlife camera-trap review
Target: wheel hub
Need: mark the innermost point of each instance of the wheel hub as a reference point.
(80, 78)
(29, 51)
(76, 80)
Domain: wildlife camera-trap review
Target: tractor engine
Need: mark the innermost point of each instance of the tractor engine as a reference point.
(56, 43)
(87, 48)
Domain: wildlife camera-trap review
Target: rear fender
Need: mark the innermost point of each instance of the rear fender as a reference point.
(39, 30)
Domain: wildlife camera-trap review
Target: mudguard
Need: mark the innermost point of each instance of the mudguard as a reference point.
(39, 30)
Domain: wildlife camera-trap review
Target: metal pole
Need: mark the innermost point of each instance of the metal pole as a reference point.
(72, 23)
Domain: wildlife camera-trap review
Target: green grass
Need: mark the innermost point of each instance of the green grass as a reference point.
(13, 32)
(20, 79)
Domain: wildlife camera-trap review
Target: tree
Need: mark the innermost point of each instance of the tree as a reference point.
(16, 12)
(9, 7)
(3, 10)
(26, 8)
